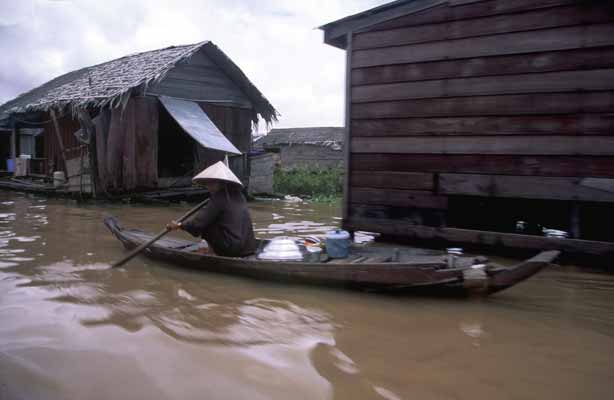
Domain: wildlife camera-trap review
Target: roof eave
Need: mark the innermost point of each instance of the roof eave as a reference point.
(260, 103)
(335, 33)
(339, 42)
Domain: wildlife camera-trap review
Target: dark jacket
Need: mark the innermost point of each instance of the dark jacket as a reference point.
(225, 224)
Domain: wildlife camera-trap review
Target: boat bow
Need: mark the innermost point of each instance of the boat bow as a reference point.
(506, 278)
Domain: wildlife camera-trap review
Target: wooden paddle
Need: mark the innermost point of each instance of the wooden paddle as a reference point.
(142, 247)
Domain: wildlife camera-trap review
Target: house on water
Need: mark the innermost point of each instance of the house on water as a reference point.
(144, 121)
(484, 122)
(291, 148)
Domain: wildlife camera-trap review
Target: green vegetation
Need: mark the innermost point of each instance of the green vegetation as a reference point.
(320, 184)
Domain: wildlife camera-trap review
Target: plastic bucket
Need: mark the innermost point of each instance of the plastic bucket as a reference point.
(59, 178)
(337, 244)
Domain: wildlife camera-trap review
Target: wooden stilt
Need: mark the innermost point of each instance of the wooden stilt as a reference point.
(14, 148)
(88, 126)
(58, 135)
(574, 223)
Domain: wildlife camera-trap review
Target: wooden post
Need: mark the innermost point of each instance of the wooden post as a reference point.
(574, 222)
(14, 148)
(58, 135)
(90, 128)
(348, 123)
(100, 143)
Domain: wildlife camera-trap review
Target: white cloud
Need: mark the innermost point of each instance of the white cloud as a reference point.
(273, 41)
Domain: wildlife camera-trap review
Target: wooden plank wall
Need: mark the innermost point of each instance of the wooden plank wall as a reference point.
(299, 155)
(262, 167)
(491, 98)
(236, 124)
(127, 146)
(68, 126)
(200, 79)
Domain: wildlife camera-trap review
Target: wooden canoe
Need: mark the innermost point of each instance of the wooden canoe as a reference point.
(367, 268)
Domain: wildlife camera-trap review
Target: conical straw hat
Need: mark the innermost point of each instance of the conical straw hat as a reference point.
(218, 171)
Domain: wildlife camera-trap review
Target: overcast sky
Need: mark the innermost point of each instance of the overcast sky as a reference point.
(275, 42)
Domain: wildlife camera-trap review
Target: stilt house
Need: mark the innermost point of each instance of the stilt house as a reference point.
(484, 122)
(314, 147)
(143, 121)
(292, 148)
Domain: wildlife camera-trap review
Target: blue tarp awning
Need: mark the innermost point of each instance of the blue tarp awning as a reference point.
(197, 124)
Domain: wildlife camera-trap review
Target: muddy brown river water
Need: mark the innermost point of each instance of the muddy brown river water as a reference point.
(71, 328)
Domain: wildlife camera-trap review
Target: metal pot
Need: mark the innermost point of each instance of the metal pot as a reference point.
(281, 249)
(555, 233)
(312, 254)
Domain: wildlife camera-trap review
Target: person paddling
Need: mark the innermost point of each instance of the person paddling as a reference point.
(225, 223)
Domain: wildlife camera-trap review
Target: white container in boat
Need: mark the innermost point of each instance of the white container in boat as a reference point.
(281, 249)
(59, 178)
(555, 233)
(337, 243)
(453, 254)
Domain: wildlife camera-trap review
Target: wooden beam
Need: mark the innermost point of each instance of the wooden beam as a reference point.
(86, 122)
(146, 131)
(398, 198)
(90, 127)
(129, 147)
(495, 45)
(455, 11)
(548, 82)
(392, 180)
(58, 135)
(528, 187)
(490, 25)
(14, 149)
(348, 127)
(482, 238)
(525, 145)
(335, 31)
(563, 166)
(516, 104)
(114, 150)
(102, 133)
(415, 216)
(574, 124)
(552, 61)
(605, 185)
(200, 75)
(575, 222)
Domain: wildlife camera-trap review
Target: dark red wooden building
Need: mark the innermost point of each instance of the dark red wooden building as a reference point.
(488, 122)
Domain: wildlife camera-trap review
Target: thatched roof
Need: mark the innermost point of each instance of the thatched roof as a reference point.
(111, 83)
(321, 136)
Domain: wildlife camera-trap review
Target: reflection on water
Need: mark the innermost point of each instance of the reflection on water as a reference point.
(72, 328)
(289, 219)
